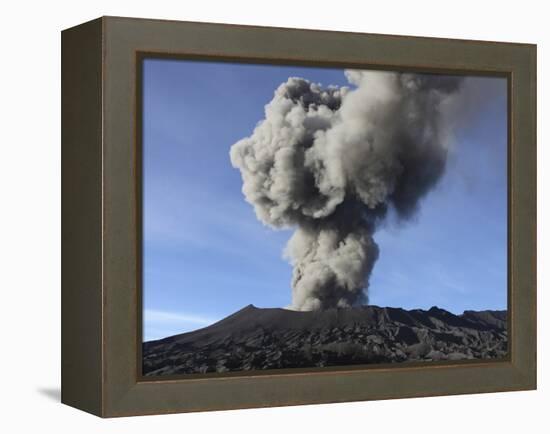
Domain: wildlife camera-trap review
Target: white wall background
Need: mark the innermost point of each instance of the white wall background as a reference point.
(30, 217)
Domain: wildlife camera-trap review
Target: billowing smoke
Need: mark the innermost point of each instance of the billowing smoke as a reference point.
(331, 162)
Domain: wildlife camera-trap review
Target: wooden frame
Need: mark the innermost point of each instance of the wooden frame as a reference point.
(101, 304)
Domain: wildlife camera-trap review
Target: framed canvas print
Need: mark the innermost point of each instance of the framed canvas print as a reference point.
(258, 216)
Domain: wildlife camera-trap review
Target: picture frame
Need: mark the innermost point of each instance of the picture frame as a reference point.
(101, 216)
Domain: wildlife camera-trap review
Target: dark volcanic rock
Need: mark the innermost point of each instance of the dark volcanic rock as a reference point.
(254, 338)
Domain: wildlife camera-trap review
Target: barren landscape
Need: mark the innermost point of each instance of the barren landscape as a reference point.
(273, 338)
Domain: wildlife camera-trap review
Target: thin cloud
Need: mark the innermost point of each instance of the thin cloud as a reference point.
(163, 317)
(169, 220)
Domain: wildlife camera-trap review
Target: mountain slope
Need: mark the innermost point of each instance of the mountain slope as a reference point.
(255, 338)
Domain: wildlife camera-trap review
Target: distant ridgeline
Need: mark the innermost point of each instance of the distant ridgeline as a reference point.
(255, 338)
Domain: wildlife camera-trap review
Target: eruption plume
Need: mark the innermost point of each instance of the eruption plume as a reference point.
(331, 161)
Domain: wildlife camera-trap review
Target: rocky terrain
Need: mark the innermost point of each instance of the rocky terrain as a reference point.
(255, 338)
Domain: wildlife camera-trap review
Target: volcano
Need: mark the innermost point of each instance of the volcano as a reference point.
(273, 338)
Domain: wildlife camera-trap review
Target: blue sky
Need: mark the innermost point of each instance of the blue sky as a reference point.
(206, 255)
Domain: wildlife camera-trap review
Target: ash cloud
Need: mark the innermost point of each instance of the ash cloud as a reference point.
(332, 161)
